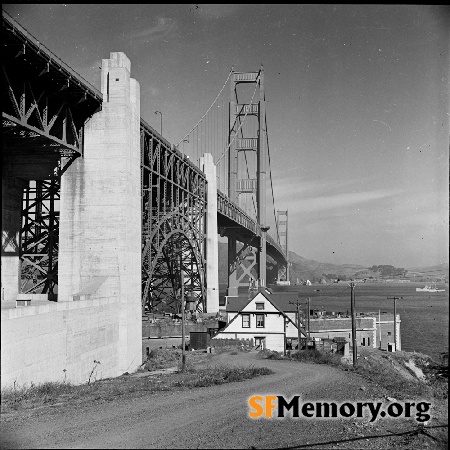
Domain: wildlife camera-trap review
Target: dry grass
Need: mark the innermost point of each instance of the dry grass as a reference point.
(28, 397)
(384, 374)
(233, 350)
(162, 358)
(314, 356)
(270, 354)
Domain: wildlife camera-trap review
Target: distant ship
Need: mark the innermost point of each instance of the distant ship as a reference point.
(429, 289)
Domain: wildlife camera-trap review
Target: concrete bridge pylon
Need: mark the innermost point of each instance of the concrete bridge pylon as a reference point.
(100, 218)
(212, 241)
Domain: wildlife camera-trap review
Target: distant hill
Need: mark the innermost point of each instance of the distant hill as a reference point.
(436, 268)
(438, 272)
(301, 268)
(308, 269)
(315, 271)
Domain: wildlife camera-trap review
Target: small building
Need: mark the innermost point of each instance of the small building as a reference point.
(259, 317)
(372, 330)
(385, 331)
(330, 328)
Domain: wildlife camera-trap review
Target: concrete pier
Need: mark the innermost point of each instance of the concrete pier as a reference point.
(100, 224)
(212, 241)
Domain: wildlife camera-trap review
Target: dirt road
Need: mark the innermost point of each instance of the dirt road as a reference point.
(214, 417)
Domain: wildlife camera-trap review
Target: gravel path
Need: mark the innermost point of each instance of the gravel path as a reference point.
(217, 416)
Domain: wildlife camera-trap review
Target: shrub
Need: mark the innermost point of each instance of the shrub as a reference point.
(317, 357)
(269, 354)
(232, 349)
(161, 358)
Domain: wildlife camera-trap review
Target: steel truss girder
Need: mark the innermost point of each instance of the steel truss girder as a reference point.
(30, 118)
(230, 210)
(39, 237)
(173, 225)
(245, 263)
(44, 102)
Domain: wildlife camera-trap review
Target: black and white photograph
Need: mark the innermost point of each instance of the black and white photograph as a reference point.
(225, 226)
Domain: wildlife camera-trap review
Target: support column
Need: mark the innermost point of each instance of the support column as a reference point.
(261, 181)
(212, 241)
(100, 219)
(232, 289)
(12, 192)
(262, 258)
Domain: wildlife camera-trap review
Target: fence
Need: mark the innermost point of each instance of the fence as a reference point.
(231, 342)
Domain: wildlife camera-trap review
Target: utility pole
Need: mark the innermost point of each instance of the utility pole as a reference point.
(307, 316)
(297, 303)
(395, 319)
(183, 345)
(379, 326)
(352, 306)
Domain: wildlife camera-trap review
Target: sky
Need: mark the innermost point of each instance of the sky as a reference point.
(357, 101)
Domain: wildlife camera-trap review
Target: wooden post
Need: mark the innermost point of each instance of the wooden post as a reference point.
(183, 345)
(379, 326)
(308, 313)
(352, 305)
(395, 319)
(297, 304)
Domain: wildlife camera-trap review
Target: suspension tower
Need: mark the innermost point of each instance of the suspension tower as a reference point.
(247, 144)
(282, 221)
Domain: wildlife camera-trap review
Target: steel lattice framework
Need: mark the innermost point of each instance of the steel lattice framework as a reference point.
(39, 237)
(173, 225)
(45, 104)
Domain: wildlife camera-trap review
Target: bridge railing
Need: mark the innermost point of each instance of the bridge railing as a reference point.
(48, 55)
(149, 130)
(229, 209)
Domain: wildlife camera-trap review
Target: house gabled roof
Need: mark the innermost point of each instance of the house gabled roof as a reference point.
(281, 302)
(242, 302)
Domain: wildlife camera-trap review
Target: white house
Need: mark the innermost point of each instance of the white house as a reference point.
(259, 318)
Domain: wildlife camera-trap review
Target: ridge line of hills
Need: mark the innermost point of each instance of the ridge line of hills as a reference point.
(302, 269)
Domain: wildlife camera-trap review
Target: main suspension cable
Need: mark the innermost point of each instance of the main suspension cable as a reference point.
(271, 181)
(209, 109)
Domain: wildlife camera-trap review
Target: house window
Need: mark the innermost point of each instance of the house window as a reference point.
(259, 306)
(245, 320)
(368, 342)
(364, 342)
(259, 320)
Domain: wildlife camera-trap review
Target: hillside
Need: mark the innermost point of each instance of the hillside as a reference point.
(308, 269)
(438, 272)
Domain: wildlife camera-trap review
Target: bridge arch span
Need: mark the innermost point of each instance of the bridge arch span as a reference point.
(175, 244)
